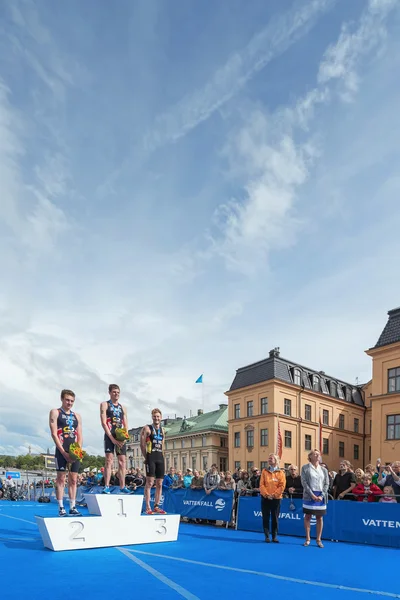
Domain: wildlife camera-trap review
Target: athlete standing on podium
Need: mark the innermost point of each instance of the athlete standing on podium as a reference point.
(113, 416)
(66, 428)
(152, 446)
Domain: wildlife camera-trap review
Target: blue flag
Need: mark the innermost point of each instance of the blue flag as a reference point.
(199, 379)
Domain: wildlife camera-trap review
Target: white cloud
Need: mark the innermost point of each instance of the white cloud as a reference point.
(120, 291)
(340, 60)
(274, 158)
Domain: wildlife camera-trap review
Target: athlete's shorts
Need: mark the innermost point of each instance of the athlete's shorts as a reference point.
(109, 447)
(62, 464)
(155, 466)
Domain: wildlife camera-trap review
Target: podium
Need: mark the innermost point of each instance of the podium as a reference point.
(114, 520)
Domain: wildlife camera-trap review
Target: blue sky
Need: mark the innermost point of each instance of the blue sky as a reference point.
(184, 186)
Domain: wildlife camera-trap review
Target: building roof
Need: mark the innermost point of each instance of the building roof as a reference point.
(276, 367)
(216, 420)
(391, 332)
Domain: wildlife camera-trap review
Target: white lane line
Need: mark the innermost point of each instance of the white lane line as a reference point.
(17, 518)
(270, 575)
(174, 586)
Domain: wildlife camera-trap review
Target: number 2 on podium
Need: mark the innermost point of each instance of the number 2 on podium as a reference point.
(80, 527)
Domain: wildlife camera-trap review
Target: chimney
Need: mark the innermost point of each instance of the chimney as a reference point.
(199, 411)
(221, 406)
(274, 353)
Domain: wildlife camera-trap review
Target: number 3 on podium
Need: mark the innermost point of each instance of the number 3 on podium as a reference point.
(162, 530)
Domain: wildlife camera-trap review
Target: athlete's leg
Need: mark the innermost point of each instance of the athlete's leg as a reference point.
(121, 470)
(108, 463)
(60, 485)
(157, 495)
(147, 490)
(72, 480)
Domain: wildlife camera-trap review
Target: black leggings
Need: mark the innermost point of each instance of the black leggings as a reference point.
(270, 510)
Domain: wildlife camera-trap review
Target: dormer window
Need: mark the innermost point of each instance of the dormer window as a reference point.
(315, 383)
(297, 377)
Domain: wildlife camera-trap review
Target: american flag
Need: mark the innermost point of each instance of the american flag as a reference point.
(279, 441)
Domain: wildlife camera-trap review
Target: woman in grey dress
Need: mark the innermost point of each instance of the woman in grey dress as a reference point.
(315, 481)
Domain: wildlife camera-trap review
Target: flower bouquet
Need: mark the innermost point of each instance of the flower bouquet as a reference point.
(121, 435)
(76, 452)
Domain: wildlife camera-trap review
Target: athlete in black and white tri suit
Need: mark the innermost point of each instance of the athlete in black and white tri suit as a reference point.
(66, 428)
(113, 416)
(152, 446)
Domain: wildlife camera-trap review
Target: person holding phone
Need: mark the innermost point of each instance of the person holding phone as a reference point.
(315, 481)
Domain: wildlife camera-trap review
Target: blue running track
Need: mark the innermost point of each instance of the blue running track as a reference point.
(205, 563)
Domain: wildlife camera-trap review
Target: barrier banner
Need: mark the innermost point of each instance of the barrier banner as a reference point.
(196, 504)
(368, 523)
(345, 521)
(291, 521)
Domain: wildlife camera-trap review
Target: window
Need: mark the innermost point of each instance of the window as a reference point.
(194, 463)
(333, 389)
(288, 439)
(325, 417)
(264, 406)
(250, 408)
(167, 463)
(340, 392)
(183, 463)
(315, 383)
(250, 438)
(341, 449)
(324, 386)
(237, 439)
(204, 440)
(264, 464)
(297, 377)
(341, 421)
(356, 425)
(250, 465)
(307, 442)
(175, 462)
(223, 442)
(183, 443)
(348, 394)
(204, 463)
(356, 453)
(325, 446)
(287, 407)
(237, 464)
(307, 412)
(394, 380)
(393, 427)
(237, 411)
(173, 444)
(264, 437)
(192, 444)
(287, 465)
(223, 464)
(370, 426)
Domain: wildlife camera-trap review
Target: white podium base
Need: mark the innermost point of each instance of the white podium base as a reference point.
(115, 520)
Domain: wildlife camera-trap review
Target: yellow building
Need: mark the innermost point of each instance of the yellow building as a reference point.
(196, 442)
(315, 410)
(382, 394)
(199, 441)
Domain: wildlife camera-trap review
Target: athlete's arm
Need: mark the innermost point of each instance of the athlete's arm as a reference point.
(143, 436)
(53, 430)
(125, 418)
(103, 419)
(79, 438)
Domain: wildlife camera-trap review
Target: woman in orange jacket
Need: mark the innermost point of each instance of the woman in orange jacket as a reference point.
(272, 485)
